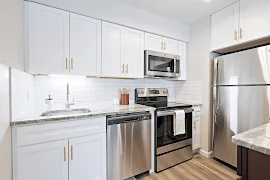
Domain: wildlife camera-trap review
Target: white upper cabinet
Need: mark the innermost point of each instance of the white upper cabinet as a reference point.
(134, 53)
(254, 19)
(85, 45)
(182, 52)
(224, 27)
(48, 40)
(160, 44)
(122, 51)
(170, 46)
(88, 158)
(112, 50)
(153, 42)
(43, 161)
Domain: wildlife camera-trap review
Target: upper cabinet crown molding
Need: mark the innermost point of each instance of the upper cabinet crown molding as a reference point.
(245, 21)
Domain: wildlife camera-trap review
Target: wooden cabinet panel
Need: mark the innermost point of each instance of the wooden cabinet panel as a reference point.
(254, 19)
(88, 158)
(134, 53)
(182, 52)
(170, 46)
(112, 50)
(43, 161)
(48, 40)
(85, 45)
(224, 27)
(153, 42)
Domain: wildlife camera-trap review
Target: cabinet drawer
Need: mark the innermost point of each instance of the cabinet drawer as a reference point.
(35, 134)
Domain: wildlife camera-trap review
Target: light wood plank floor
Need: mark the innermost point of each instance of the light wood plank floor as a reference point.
(199, 168)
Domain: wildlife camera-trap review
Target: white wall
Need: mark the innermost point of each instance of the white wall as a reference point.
(12, 33)
(122, 13)
(5, 130)
(199, 69)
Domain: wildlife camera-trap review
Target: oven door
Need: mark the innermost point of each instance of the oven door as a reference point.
(161, 64)
(164, 129)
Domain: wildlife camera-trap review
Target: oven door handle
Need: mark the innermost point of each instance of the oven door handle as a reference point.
(171, 112)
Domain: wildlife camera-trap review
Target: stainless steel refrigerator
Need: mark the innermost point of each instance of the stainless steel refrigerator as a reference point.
(241, 94)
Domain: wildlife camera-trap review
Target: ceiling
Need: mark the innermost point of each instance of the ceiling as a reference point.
(185, 11)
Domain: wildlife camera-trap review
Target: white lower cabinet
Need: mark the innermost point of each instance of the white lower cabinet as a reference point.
(44, 161)
(196, 128)
(76, 151)
(88, 158)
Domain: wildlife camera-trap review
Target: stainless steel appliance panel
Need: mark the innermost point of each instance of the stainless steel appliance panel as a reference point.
(174, 146)
(237, 109)
(158, 64)
(243, 68)
(173, 158)
(129, 149)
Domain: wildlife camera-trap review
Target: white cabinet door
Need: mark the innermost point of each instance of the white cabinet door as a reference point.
(112, 50)
(224, 27)
(153, 42)
(196, 130)
(88, 158)
(134, 53)
(43, 161)
(48, 40)
(254, 19)
(85, 45)
(182, 52)
(170, 46)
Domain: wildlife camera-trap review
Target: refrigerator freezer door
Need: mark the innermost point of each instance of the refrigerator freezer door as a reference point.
(245, 68)
(240, 108)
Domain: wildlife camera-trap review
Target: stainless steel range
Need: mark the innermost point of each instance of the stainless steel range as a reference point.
(170, 150)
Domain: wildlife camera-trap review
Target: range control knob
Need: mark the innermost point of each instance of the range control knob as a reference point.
(165, 92)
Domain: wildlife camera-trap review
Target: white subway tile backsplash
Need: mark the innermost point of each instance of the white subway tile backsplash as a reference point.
(96, 91)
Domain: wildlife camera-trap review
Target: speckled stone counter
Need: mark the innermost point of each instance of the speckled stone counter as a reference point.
(31, 119)
(257, 139)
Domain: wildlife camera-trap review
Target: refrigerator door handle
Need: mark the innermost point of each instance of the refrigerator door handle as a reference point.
(215, 72)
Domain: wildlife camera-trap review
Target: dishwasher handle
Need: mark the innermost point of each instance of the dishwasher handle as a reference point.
(128, 119)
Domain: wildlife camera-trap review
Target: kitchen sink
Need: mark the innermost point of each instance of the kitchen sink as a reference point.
(66, 112)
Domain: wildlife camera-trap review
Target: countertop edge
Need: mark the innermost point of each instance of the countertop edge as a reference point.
(73, 117)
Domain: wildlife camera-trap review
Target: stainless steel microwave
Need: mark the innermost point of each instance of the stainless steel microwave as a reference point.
(158, 64)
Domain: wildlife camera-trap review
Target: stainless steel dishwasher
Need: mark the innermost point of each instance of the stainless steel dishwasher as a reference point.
(128, 145)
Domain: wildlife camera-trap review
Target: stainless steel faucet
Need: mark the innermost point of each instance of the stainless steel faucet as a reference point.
(68, 104)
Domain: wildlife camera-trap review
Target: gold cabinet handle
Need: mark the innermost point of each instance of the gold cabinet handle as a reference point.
(123, 68)
(241, 33)
(127, 68)
(65, 154)
(71, 61)
(71, 151)
(66, 63)
(235, 35)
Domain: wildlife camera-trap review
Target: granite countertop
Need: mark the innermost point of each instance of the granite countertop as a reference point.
(257, 139)
(31, 119)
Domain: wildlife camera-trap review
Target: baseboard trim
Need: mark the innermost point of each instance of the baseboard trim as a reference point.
(206, 154)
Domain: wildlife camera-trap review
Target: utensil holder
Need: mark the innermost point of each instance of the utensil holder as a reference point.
(124, 99)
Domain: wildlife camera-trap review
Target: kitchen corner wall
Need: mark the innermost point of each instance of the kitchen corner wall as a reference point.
(12, 33)
(199, 65)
